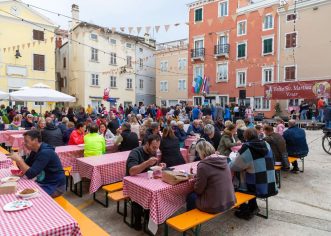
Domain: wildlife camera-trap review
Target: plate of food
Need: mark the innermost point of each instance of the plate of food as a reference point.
(10, 179)
(28, 192)
(17, 205)
(16, 172)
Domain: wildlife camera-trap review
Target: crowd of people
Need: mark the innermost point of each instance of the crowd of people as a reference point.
(261, 146)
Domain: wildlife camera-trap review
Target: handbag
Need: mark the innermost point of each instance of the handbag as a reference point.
(173, 177)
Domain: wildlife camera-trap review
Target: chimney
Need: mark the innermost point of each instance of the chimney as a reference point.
(74, 15)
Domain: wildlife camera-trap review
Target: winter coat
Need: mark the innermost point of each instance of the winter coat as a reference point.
(52, 135)
(226, 143)
(170, 150)
(296, 143)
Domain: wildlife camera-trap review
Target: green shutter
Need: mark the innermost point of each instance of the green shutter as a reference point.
(198, 14)
(241, 50)
(267, 47)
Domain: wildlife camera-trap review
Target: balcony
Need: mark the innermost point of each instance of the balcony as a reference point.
(198, 54)
(222, 50)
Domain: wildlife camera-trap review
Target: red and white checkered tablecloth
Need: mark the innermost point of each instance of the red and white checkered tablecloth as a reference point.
(160, 198)
(102, 170)
(16, 141)
(5, 135)
(5, 162)
(190, 140)
(236, 148)
(69, 154)
(44, 218)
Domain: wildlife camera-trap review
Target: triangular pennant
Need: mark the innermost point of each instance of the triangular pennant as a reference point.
(4, 50)
(13, 48)
(253, 23)
(247, 15)
(210, 22)
(187, 23)
(177, 24)
(275, 7)
(130, 29)
(166, 27)
(138, 30)
(8, 49)
(157, 28)
(234, 17)
(222, 19)
(28, 45)
(286, 6)
(113, 30)
(147, 29)
(18, 47)
(122, 29)
(38, 42)
(261, 11)
(34, 43)
(45, 41)
(23, 45)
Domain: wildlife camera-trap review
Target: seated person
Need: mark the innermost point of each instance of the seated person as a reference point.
(94, 143)
(195, 128)
(180, 133)
(278, 146)
(28, 123)
(170, 149)
(42, 163)
(154, 129)
(67, 132)
(256, 164)
(105, 132)
(212, 136)
(241, 127)
(296, 143)
(228, 141)
(41, 124)
(213, 188)
(52, 134)
(16, 123)
(140, 160)
(130, 139)
(77, 135)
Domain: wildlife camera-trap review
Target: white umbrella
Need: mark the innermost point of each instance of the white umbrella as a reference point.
(3, 95)
(40, 93)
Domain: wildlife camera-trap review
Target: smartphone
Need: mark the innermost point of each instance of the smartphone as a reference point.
(169, 168)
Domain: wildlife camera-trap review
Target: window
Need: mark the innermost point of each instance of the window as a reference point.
(164, 86)
(268, 46)
(198, 70)
(129, 61)
(94, 37)
(64, 62)
(198, 48)
(241, 78)
(182, 85)
(241, 28)
(182, 63)
(128, 45)
(291, 17)
(222, 40)
(291, 40)
(39, 62)
(223, 8)
(94, 54)
(141, 63)
(198, 15)
(268, 22)
(39, 103)
(223, 100)
(163, 103)
(38, 35)
(129, 83)
(197, 101)
(267, 75)
(261, 103)
(293, 102)
(141, 84)
(222, 72)
(113, 82)
(241, 49)
(290, 73)
(94, 79)
(198, 44)
(112, 41)
(164, 66)
(113, 58)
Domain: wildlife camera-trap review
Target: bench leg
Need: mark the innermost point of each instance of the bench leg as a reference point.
(75, 190)
(166, 229)
(303, 164)
(266, 209)
(130, 224)
(105, 204)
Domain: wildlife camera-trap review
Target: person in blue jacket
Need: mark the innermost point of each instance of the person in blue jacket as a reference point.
(227, 113)
(42, 163)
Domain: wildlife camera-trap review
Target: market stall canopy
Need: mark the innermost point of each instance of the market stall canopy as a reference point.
(40, 93)
(3, 95)
(298, 89)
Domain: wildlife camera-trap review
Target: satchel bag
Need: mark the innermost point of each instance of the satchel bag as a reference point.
(173, 177)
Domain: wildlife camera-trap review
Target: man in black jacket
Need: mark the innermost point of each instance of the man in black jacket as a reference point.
(52, 135)
(130, 139)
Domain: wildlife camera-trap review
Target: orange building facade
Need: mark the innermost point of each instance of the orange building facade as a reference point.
(234, 44)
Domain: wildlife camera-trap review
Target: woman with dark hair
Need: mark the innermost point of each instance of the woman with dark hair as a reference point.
(255, 163)
(81, 115)
(71, 115)
(170, 149)
(77, 136)
(105, 132)
(228, 141)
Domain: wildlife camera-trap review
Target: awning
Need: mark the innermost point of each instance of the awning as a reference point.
(298, 89)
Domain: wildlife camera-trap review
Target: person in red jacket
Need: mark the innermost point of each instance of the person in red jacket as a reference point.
(77, 136)
(158, 113)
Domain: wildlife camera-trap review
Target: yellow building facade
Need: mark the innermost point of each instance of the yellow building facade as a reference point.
(27, 50)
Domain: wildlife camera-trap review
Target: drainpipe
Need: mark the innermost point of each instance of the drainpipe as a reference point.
(278, 56)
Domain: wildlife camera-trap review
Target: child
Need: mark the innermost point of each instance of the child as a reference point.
(259, 131)
(280, 127)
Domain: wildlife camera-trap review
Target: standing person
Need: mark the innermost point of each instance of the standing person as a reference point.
(303, 110)
(327, 116)
(195, 113)
(42, 163)
(218, 113)
(280, 127)
(89, 109)
(227, 113)
(71, 115)
(94, 143)
(249, 113)
(140, 160)
(213, 188)
(320, 108)
(81, 115)
(296, 143)
(236, 112)
(52, 134)
(256, 164)
(114, 123)
(142, 110)
(135, 109)
(120, 109)
(77, 135)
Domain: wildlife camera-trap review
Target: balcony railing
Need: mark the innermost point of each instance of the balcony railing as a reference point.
(221, 49)
(198, 53)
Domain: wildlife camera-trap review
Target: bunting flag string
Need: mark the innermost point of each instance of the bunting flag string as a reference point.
(166, 27)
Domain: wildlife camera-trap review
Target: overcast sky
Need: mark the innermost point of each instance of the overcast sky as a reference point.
(124, 13)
